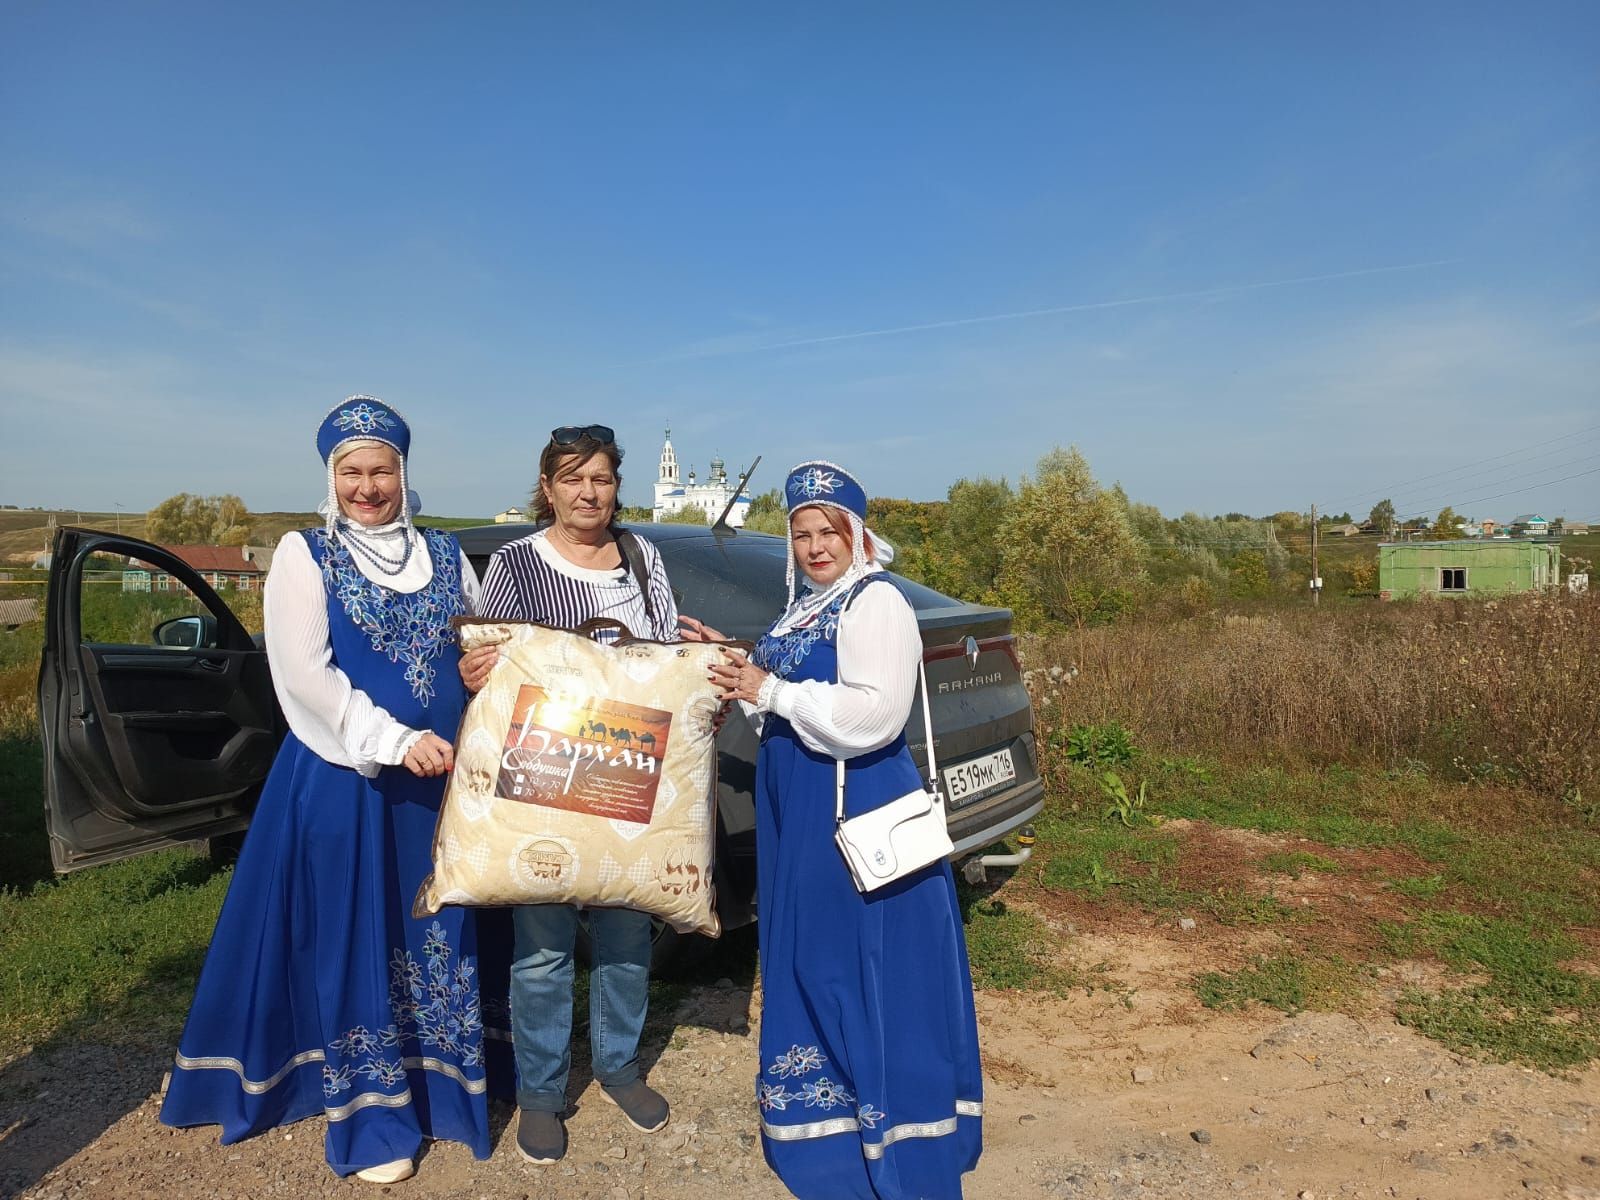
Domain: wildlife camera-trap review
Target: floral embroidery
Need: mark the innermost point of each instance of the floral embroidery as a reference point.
(410, 627)
(385, 1071)
(433, 1002)
(868, 1116)
(774, 1096)
(357, 1041)
(821, 1092)
(825, 1093)
(363, 418)
(334, 1080)
(437, 1004)
(782, 654)
(817, 482)
(797, 1060)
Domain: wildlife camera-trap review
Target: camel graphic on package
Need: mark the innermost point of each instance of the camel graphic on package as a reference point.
(620, 736)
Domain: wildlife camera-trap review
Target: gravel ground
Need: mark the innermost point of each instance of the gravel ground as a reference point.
(1088, 1098)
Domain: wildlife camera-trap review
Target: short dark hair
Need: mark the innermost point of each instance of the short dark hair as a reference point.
(553, 456)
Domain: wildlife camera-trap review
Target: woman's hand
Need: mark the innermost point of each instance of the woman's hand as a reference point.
(738, 677)
(699, 631)
(476, 665)
(430, 755)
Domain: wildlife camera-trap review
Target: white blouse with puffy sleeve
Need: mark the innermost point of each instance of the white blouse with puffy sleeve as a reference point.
(335, 719)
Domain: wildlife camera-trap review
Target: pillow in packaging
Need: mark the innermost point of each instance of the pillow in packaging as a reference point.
(584, 774)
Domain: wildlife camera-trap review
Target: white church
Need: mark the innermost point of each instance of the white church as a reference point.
(712, 496)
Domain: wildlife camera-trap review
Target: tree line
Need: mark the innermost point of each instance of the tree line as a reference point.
(1062, 550)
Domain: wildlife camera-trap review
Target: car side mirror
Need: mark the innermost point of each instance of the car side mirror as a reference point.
(188, 633)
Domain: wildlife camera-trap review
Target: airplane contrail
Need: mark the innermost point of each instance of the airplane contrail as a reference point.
(1225, 290)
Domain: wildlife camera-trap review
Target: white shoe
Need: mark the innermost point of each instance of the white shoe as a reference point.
(389, 1172)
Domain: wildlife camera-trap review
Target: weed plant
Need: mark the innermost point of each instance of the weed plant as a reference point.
(1501, 691)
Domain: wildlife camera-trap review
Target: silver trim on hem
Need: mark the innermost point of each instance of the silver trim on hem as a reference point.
(887, 1138)
(367, 1100)
(257, 1087)
(253, 1086)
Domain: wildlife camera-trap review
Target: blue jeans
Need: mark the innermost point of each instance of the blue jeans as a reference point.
(541, 998)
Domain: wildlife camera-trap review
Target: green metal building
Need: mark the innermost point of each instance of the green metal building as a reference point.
(1467, 567)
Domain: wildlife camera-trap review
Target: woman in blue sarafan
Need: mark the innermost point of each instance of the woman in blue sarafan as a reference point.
(321, 994)
(870, 1085)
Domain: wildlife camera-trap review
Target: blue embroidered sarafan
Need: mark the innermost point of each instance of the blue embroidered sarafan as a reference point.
(782, 654)
(407, 627)
(435, 1006)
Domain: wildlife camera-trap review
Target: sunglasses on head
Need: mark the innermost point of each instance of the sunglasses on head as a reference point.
(566, 435)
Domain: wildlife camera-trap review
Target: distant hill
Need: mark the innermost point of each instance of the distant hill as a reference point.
(24, 533)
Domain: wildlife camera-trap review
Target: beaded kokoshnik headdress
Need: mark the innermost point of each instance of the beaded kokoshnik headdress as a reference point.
(819, 483)
(367, 419)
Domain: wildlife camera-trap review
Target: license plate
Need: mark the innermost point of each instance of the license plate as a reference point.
(966, 781)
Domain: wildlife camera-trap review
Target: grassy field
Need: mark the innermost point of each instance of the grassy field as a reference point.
(1348, 873)
(1386, 810)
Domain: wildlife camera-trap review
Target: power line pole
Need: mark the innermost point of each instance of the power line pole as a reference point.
(1316, 579)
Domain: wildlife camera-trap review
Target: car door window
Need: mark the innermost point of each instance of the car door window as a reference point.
(130, 602)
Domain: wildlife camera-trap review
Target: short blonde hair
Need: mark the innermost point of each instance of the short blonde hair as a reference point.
(345, 448)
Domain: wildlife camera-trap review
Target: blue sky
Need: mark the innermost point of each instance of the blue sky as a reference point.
(1247, 256)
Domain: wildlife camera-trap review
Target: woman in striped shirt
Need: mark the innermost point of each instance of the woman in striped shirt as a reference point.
(575, 568)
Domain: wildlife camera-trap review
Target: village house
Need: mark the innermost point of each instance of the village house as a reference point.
(1530, 525)
(1466, 567)
(241, 567)
(511, 516)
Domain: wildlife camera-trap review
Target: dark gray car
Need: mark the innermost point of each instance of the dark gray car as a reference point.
(163, 734)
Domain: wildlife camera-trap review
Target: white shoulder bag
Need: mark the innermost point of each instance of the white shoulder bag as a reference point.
(903, 835)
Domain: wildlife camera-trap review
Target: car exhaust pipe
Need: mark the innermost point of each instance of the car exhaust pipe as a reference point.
(975, 870)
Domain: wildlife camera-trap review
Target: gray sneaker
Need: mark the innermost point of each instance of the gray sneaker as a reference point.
(541, 1137)
(645, 1108)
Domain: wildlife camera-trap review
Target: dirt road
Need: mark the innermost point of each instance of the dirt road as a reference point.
(1089, 1096)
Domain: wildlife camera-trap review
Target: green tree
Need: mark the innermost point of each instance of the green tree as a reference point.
(190, 520)
(1069, 555)
(1447, 524)
(970, 544)
(1382, 517)
(1364, 577)
(691, 515)
(767, 514)
(1248, 579)
(1194, 596)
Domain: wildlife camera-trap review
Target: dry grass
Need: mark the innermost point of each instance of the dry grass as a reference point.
(1506, 689)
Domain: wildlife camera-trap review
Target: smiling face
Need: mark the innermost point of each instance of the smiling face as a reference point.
(820, 549)
(582, 492)
(367, 482)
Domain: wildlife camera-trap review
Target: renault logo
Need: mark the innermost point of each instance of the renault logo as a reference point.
(971, 647)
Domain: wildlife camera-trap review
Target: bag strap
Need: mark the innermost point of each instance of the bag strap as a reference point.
(633, 555)
(927, 725)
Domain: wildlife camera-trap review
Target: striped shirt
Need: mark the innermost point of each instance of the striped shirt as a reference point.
(528, 580)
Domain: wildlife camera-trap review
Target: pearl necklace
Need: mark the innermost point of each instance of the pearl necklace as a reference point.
(380, 561)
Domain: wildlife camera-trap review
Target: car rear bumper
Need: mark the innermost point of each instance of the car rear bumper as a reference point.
(971, 829)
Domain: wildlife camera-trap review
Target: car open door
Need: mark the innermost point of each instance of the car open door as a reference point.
(157, 711)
